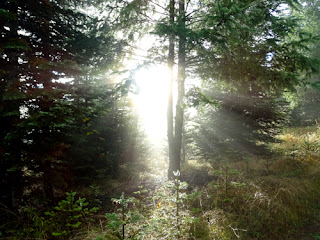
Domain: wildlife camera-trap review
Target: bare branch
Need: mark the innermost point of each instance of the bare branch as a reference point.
(235, 231)
(194, 11)
(159, 5)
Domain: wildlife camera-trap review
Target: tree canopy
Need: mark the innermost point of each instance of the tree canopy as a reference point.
(240, 44)
(65, 119)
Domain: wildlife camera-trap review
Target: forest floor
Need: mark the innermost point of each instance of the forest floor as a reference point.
(233, 199)
(200, 175)
(311, 232)
(241, 198)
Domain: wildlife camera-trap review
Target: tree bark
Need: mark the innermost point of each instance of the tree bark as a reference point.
(13, 106)
(180, 79)
(170, 128)
(175, 140)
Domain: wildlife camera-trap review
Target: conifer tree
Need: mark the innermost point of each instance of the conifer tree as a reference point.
(236, 42)
(41, 43)
(242, 124)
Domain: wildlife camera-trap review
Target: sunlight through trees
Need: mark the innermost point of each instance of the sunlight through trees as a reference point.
(98, 97)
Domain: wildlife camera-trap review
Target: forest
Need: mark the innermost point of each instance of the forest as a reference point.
(160, 119)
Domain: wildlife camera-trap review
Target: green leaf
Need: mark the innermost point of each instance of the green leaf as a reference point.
(196, 210)
(115, 224)
(5, 14)
(13, 94)
(136, 218)
(94, 209)
(59, 234)
(194, 195)
(76, 225)
(17, 44)
(112, 216)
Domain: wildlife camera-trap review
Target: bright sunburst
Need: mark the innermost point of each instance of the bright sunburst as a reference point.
(151, 101)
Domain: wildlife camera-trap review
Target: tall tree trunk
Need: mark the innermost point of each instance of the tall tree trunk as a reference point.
(181, 79)
(45, 78)
(13, 107)
(170, 97)
(175, 140)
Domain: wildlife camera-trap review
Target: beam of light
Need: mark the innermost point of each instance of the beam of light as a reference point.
(151, 101)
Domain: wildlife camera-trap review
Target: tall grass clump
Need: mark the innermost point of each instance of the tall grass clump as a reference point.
(270, 207)
(246, 202)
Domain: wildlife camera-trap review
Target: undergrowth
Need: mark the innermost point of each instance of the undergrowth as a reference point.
(270, 198)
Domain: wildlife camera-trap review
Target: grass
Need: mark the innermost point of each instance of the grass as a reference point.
(316, 237)
(247, 202)
(259, 198)
(274, 198)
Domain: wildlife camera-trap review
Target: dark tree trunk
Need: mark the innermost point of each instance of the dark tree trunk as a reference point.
(170, 97)
(13, 107)
(174, 164)
(45, 78)
(181, 80)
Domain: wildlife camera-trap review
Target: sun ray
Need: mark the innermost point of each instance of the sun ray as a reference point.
(151, 101)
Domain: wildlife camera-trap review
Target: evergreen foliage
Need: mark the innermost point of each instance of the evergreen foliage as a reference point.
(305, 102)
(68, 215)
(239, 43)
(242, 124)
(65, 125)
(44, 43)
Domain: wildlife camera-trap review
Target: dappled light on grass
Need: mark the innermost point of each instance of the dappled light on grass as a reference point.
(300, 144)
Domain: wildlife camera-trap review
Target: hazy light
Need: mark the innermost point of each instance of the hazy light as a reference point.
(64, 80)
(151, 101)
